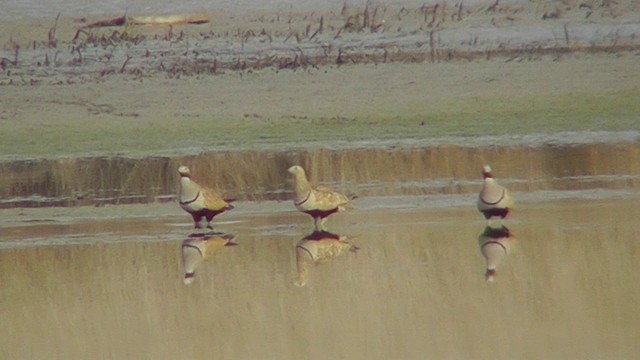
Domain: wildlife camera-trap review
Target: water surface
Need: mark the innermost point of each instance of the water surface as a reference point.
(568, 288)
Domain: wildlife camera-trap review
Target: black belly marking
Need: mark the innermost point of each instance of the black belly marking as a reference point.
(320, 213)
(497, 233)
(321, 235)
(495, 212)
(209, 214)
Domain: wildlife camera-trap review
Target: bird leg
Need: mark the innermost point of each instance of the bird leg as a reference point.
(196, 220)
(209, 215)
(494, 223)
(317, 221)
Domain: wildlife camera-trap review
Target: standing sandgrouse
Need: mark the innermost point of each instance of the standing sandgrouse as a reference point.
(317, 201)
(200, 201)
(494, 199)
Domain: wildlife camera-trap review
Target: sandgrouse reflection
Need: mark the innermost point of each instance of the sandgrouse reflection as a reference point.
(319, 247)
(196, 249)
(495, 244)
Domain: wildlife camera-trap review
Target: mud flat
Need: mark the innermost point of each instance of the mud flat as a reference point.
(262, 79)
(109, 284)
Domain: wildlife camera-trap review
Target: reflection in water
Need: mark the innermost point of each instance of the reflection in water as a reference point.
(319, 247)
(495, 244)
(196, 249)
(569, 291)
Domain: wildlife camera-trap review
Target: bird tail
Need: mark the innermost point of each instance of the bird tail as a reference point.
(229, 201)
(230, 240)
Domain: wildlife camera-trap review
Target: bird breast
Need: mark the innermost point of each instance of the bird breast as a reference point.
(305, 202)
(492, 193)
(190, 198)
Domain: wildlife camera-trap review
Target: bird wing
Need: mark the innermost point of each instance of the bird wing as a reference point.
(214, 243)
(213, 201)
(327, 199)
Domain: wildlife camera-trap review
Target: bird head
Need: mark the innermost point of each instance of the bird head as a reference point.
(230, 240)
(486, 171)
(490, 275)
(188, 278)
(296, 169)
(184, 171)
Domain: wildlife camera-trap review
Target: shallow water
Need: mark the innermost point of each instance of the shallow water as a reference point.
(568, 289)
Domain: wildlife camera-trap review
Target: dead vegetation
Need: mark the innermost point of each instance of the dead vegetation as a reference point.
(373, 34)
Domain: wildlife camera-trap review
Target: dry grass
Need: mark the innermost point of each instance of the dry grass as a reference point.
(310, 40)
(260, 175)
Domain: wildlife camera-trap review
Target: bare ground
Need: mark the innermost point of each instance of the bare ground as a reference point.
(287, 79)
